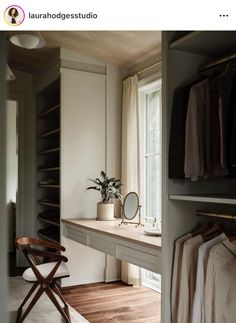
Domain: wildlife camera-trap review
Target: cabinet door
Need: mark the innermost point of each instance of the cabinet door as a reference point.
(83, 123)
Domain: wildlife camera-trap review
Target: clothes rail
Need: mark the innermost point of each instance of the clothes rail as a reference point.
(216, 214)
(217, 62)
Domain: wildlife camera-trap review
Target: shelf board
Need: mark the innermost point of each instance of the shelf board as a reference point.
(49, 221)
(48, 203)
(48, 169)
(220, 199)
(49, 186)
(44, 236)
(49, 133)
(206, 43)
(50, 151)
(48, 111)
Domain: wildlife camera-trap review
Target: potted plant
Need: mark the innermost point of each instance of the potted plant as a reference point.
(110, 190)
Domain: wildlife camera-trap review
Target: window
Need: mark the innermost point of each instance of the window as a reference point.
(150, 164)
(150, 112)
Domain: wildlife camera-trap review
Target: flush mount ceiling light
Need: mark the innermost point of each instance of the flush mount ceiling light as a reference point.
(28, 40)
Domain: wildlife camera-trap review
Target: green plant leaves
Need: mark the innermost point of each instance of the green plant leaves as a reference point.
(108, 187)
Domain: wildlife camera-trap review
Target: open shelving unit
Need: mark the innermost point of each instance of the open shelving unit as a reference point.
(48, 163)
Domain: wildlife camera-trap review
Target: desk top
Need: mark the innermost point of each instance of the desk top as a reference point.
(127, 232)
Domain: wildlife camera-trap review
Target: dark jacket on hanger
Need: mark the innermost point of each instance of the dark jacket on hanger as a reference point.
(230, 138)
(177, 133)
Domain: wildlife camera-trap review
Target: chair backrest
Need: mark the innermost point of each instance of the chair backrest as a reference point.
(28, 246)
(27, 241)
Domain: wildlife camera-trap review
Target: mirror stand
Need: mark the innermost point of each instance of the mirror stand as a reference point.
(125, 221)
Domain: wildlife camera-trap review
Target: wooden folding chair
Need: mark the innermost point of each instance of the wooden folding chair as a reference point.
(43, 275)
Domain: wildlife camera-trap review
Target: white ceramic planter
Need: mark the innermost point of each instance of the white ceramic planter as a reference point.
(105, 211)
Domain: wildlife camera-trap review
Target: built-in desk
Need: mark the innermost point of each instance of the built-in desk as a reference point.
(124, 242)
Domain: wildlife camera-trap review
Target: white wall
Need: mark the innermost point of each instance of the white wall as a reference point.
(82, 157)
(90, 142)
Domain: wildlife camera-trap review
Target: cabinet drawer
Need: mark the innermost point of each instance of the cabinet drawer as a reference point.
(102, 245)
(139, 258)
(76, 235)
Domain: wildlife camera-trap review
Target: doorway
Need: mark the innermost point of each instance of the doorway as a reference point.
(12, 184)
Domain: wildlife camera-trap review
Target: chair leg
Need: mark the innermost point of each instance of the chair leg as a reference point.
(32, 289)
(57, 305)
(58, 292)
(31, 305)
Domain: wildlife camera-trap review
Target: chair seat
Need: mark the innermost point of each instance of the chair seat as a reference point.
(44, 270)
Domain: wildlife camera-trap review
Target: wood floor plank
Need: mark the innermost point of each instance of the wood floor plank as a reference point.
(115, 302)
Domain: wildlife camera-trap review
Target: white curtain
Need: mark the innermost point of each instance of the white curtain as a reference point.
(130, 172)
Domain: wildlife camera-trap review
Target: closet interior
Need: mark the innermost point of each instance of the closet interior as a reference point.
(190, 58)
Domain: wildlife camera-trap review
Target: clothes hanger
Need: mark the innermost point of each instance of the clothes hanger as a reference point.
(216, 229)
(224, 72)
(215, 75)
(232, 236)
(204, 227)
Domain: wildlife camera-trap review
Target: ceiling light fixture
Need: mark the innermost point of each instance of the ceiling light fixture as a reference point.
(28, 40)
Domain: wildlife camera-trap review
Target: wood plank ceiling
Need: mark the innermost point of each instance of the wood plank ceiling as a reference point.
(122, 48)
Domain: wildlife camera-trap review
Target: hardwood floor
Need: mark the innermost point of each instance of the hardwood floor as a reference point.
(115, 302)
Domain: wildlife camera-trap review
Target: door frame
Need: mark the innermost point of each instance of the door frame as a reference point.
(3, 207)
(20, 210)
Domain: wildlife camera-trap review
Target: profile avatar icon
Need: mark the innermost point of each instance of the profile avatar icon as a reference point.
(14, 15)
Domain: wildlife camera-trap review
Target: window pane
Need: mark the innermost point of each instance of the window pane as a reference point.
(152, 188)
(153, 122)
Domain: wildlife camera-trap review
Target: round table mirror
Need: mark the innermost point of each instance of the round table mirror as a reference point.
(131, 205)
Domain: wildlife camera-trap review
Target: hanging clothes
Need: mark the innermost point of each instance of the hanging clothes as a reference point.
(225, 91)
(176, 272)
(220, 275)
(188, 278)
(197, 136)
(203, 129)
(177, 133)
(198, 315)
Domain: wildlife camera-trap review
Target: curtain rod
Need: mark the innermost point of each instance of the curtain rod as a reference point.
(217, 62)
(144, 69)
(148, 67)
